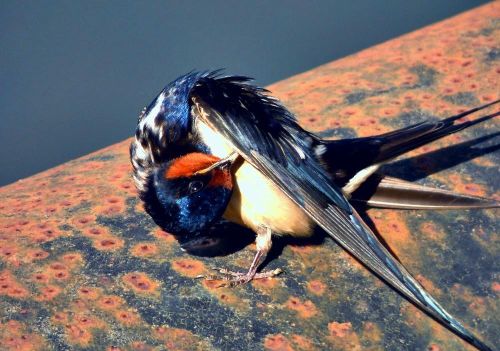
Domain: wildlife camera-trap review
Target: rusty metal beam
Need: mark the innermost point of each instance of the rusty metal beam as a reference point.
(83, 267)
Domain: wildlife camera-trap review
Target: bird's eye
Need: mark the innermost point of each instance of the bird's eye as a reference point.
(195, 186)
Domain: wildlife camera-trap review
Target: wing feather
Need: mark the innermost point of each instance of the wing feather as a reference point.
(267, 136)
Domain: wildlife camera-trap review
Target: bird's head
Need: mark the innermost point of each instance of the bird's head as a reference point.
(190, 197)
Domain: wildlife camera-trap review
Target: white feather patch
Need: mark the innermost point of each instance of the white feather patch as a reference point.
(359, 178)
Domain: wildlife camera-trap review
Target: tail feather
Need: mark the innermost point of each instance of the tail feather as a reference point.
(416, 136)
(345, 158)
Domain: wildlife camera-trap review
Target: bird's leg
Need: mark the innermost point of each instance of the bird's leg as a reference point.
(226, 161)
(264, 243)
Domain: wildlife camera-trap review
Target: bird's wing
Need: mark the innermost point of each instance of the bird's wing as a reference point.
(267, 136)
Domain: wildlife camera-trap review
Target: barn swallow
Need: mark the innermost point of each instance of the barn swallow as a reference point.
(212, 146)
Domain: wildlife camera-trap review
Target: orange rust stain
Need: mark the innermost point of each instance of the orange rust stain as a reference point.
(393, 227)
(109, 243)
(110, 206)
(72, 259)
(164, 236)
(141, 283)
(83, 221)
(372, 334)
(95, 232)
(9, 253)
(339, 330)
(109, 302)
(188, 267)
(495, 287)
(87, 321)
(40, 278)
(224, 294)
(305, 309)
(43, 232)
(141, 346)
(144, 249)
(227, 297)
(432, 231)
(127, 317)
(57, 271)
(60, 318)
(176, 339)
(433, 347)
(79, 323)
(189, 164)
(462, 183)
(14, 335)
(343, 336)
(89, 292)
(212, 284)
(48, 293)
(317, 287)
(77, 335)
(302, 343)
(483, 162)
(277, 342)
(128, 187)
(32, 255)
(302, 249)
(479, 306)
(266, 284)
(11, 287)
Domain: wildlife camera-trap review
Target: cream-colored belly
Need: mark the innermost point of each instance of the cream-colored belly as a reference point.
(257, 202)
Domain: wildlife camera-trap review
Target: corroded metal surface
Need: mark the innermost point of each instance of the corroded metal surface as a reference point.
(83, 267)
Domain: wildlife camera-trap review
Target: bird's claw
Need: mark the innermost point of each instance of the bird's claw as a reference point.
(232, 279)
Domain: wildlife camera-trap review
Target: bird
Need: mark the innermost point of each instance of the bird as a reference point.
(213, 146)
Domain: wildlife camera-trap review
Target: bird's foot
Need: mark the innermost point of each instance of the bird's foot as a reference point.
(232, 279)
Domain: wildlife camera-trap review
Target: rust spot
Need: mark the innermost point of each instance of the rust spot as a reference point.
(164, 236)
(265, 284)
(94, 232)
(127, 317)
(11, 287)
(83, 221)
(305, 309)
(108, 244)
(277, 342)
(48, 293)
(302, 343)
(141, 283)
(180, 339)
(89, 293)
(339, 330)
(17, 336)
(110, 302)
(188, 267)
(317, 287)
(144, 249)
(36, 254)
(77, 335)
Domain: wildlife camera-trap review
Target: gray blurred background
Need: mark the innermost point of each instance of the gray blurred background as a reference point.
(75, 74)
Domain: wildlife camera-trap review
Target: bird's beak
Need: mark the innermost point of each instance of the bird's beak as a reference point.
(223, 163)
